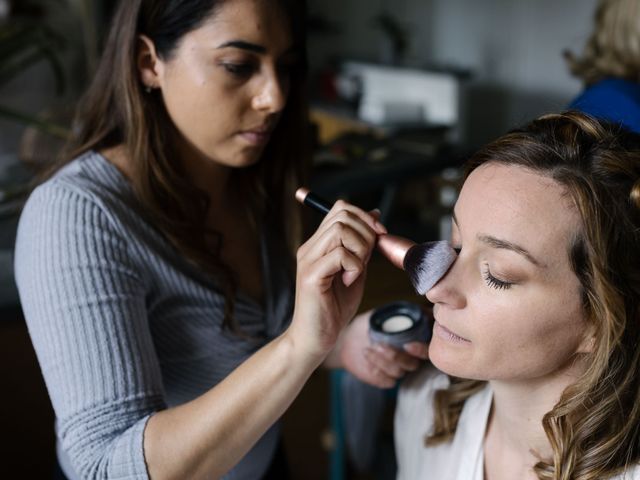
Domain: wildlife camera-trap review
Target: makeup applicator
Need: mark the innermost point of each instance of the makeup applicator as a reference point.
(425, 263)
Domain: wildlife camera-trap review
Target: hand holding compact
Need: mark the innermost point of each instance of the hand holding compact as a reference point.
(378, 364)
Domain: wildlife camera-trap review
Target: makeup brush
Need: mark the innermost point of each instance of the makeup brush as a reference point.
(425, 263)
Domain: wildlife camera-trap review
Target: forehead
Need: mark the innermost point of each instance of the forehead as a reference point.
(262, 22)
(518, 205)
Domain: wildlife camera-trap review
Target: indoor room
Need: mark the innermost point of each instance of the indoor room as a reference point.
(378, 103)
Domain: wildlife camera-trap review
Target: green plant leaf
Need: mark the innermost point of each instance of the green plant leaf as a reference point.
(21, 46)
(46, 126)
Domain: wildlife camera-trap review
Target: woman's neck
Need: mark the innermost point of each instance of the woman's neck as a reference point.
(204, 173)
(515, 424)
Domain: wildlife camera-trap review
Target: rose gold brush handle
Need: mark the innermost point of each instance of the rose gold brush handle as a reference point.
(395, 248)
(391, 246)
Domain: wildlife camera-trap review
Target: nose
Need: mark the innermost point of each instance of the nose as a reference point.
(272, 95)
(449, 290)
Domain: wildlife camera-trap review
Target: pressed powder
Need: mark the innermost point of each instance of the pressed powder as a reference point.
(398, 323)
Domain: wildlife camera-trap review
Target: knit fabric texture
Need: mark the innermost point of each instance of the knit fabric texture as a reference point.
(122, 325)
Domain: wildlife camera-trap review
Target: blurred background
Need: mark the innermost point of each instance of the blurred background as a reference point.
(401, 92)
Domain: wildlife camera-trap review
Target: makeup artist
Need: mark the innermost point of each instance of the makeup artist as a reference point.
(156, 265)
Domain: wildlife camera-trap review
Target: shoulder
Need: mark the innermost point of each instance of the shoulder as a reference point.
(413, 416)
(87, 192)
(421, 385)
(612, 99)
(631, 473)
(606, 91)
(90, 177)
(80, 212)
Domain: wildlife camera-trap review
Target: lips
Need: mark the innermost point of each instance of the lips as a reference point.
(446, 334)
(257, 136)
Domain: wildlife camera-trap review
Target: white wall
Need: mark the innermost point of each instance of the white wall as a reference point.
(512, 47)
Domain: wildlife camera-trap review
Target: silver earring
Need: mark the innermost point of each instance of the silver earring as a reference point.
(147, 89)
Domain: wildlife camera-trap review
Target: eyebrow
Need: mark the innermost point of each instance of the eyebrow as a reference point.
(251, 47)
(506, 245)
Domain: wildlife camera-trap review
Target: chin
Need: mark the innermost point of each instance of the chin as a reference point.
(247, 158)
(240, 160)
(452, 362)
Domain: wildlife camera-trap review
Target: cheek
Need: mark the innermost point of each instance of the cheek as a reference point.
(202, 113)
(512, 337)
(536, 337)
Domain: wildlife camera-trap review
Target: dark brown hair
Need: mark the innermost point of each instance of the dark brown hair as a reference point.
(594, 428)
(116, 110)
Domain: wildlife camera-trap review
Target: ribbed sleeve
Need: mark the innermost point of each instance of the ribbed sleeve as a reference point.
(123, 324)
(83, 300)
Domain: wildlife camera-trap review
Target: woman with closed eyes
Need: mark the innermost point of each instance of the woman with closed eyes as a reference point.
(535, 365)
(157, 268)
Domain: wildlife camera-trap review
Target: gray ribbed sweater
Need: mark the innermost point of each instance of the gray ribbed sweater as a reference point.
(122, 325)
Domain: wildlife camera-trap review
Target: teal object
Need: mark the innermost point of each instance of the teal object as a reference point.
(339, 422)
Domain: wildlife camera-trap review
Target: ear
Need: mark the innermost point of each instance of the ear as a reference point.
(150, 67)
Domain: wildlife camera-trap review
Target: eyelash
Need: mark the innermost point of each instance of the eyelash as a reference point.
(239, 69)
(493, 282)
(243, 70)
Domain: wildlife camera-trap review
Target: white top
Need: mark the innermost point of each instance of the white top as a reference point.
(460, 459)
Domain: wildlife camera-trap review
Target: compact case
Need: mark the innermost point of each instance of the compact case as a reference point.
(398, 323)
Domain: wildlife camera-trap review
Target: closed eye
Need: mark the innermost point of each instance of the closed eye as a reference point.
(239, 69)
(494, 282)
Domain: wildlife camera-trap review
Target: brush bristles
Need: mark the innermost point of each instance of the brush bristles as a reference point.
(426, 263)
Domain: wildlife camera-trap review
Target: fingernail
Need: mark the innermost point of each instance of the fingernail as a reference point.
(380, 227)
(375, 213)
(349, 277)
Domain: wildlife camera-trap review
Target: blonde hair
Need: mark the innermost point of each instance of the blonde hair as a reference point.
(594, 428)
(613, 50)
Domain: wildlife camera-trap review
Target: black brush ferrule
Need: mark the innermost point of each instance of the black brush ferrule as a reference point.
(317, 202)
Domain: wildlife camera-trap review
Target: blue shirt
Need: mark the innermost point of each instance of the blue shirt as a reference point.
(612, 99)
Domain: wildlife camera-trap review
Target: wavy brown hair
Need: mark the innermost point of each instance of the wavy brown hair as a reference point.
(594, 428)
(117, 111)
(613, 49)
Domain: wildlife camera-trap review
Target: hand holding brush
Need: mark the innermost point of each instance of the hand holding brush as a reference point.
(424, 263)
(376, 364)
(330, 277)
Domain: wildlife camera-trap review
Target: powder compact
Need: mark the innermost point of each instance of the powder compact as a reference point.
(398, 323)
